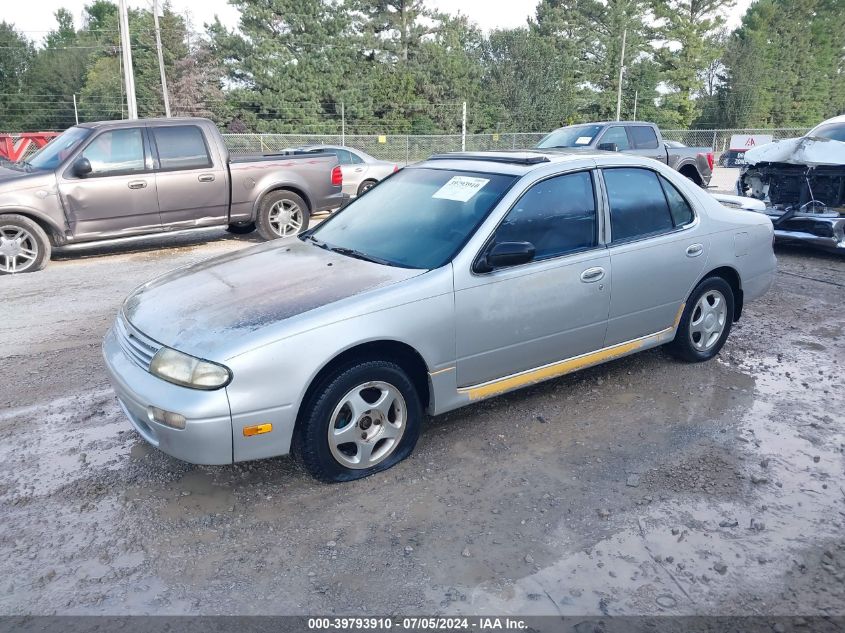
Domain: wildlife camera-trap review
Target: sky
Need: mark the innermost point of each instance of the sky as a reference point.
(35, 16)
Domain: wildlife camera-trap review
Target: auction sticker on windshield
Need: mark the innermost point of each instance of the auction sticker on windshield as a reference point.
(583, 140)
(460, 188)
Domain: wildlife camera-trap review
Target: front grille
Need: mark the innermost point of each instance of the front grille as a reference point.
(139, 348)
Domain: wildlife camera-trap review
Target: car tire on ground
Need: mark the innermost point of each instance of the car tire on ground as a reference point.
(282, 214)
(241, 228)
(366, 186)
(361, 419)
(706, 321)
(24, 246)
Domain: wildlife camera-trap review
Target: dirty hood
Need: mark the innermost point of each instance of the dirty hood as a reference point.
(12, 178)
(212, 308)
(806, 150)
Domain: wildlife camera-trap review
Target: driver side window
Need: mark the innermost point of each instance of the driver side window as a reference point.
(556, 215)
(116, 152)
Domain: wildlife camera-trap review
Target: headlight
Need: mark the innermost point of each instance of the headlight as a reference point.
(187, 371)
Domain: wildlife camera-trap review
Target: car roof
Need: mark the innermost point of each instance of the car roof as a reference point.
(836, 119)
(514, 162)
(130, 122)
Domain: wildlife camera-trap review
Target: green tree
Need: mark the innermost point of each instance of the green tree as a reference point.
(690, 30)
(16, 54)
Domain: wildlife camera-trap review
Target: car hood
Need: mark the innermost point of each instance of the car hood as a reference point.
(210, 309)
(806, 150)
(15, 178)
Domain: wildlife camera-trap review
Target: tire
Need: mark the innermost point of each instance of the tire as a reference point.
(366, 186)
(392, 430)
(702, 332)
(275, 204)
(24, 246)
(241, 228)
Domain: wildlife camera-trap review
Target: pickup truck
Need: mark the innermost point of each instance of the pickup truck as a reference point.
(119, 179)
(635, 137)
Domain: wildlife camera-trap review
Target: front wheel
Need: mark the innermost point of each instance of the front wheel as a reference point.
(282, 214)
(24, 246)
(706, 321)
(361, 419)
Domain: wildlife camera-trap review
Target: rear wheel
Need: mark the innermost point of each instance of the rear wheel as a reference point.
(282, 214)
(361, 419)
(366, 186)
(706, 321)
(24, 246)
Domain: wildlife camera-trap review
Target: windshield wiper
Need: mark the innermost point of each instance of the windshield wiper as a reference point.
(351, 252)
(315, 240)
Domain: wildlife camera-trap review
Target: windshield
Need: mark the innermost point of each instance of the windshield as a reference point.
(834, 131)
(51, 155)
(572, 136)
(417, 218)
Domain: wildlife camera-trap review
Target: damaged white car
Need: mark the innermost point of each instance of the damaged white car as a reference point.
(802, 183)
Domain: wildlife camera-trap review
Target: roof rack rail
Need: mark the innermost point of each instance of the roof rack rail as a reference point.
(513, 160)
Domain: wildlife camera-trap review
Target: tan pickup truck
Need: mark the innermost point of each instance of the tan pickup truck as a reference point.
(118, 179)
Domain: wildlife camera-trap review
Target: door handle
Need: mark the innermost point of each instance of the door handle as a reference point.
(206, 177)
(592, 275)
(137, 184)
(694, 250)
(360, 169)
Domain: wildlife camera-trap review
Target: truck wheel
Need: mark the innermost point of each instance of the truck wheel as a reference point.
(282, 214)
(361, 419)
(24, 246)
(241, 228)
(705, 323)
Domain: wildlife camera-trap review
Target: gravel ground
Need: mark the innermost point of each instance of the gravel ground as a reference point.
(644, 486)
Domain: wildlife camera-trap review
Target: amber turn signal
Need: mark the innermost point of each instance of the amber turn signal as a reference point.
(257, 429)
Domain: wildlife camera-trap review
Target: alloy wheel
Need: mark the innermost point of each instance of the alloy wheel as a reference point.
(708, 320)
(18, 249)
(367, 425)
(285, 218)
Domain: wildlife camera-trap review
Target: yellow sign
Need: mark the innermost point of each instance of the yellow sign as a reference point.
(382, 138)
(495, 137)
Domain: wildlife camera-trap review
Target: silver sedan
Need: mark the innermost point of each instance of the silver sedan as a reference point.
(360, 170)
(458, 279)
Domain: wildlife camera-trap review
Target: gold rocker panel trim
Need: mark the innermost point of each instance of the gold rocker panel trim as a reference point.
(546, 372)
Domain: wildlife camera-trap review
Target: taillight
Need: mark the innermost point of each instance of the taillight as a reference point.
(710, 160)
(337, 177)
(395, 168)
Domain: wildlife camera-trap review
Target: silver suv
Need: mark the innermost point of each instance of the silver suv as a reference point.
(456, 279)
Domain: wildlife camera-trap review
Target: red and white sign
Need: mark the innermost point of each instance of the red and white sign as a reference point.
(744, 142)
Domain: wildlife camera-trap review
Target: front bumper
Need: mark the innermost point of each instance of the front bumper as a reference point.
(207, 436)
(816, 230)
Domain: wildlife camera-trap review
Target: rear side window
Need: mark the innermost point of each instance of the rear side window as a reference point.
(618, 135)
(557, 215)
(637, 205)
(343, 156)
(678, 206)
(356, 160)
(181, 147)
(644, 137)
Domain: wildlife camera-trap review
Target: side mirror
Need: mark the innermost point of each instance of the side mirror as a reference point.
(82, 167)
(505, 254)
(608, 147)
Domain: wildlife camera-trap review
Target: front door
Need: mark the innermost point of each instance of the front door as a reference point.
(657, 251)
(193, 186)
(119, 196)
(553, 308)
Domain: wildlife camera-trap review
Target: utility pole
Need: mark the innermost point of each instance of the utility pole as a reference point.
(161, 61)
(464, 128)
(621, 73)
(75, 111)
(636, 94)
(342, 124)
(126, 49)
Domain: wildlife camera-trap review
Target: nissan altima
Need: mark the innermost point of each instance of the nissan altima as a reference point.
(456, 279)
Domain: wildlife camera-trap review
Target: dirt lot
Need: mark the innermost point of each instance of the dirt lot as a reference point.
(643, 486)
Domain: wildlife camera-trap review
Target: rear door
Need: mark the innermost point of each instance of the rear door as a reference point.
(193, 184)
(657, 250)
(119, 196)
(646, 142)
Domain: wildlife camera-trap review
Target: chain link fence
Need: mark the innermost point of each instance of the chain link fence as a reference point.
(403, 148)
